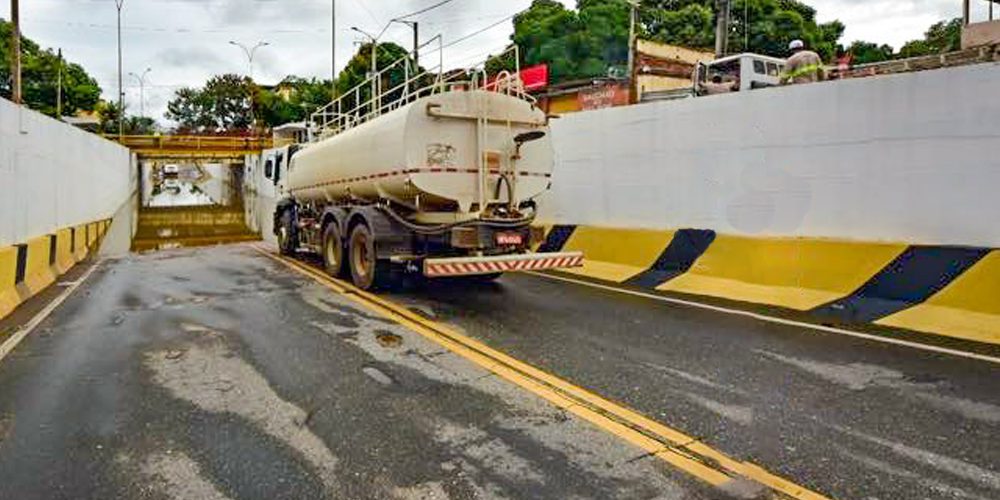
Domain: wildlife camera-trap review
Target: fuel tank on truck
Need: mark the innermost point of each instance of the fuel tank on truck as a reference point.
(426, 154)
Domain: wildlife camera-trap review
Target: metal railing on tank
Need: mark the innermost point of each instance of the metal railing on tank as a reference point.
(347, 111)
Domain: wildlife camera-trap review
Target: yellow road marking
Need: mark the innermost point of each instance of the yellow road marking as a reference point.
(672, 446)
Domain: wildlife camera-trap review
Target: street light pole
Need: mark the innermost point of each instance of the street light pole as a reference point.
(250, 52)
(16, 63)
(142, 90)
(121, 94)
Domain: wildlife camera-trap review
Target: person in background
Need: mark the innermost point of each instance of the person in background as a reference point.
(804, 66)
(718, 86)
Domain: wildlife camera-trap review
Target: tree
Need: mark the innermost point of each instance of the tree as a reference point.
(40, 77)
(304, 97)
(593, 39)
(223, 105)
(358, 68)
(867, 52)
(945, 36)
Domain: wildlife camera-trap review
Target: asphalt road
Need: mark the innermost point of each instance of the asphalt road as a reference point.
(850, 418)
(217, 373)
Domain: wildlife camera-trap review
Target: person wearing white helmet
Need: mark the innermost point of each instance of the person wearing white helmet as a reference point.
(804, 66)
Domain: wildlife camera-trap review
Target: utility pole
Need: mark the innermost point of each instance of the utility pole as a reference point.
(142, 90)
(722, 27)
(333, 49)
(121, 92)
(59, 87)
(633, 5)
(416, 37)
(632, 83)
(16, 63)
(416, 45)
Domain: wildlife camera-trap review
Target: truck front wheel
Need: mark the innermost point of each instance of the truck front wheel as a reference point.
(333, 250)
(367, 271)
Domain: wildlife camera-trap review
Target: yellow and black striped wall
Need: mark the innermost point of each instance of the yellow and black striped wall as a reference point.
(28, 268)
(943, 290)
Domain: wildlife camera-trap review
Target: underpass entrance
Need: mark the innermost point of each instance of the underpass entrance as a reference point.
(191, 190)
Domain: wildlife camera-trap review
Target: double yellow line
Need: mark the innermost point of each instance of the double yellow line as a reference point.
(672, 446)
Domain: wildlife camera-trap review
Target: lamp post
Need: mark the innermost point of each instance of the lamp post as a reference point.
(142, 90)
(121, 94)
(250, 53)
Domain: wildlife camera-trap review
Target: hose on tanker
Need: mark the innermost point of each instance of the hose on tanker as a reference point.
(441, 228)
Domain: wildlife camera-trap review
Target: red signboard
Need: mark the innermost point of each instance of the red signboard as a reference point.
(535, 77)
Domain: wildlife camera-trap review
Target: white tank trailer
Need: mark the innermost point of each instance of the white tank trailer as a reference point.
(444, 186)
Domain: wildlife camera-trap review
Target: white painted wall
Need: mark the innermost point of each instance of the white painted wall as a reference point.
(912, 158)
(53, 175)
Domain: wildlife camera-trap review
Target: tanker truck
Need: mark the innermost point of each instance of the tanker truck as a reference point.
(442, 182)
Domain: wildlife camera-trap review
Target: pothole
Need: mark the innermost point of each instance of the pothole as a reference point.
(388, 339)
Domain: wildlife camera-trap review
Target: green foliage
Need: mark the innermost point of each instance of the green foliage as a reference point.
(944, 36)
(304, 96)
(867, 52)
(40, 77)
(593, 39)
(358, 68)
(224, 104)
(575, 44)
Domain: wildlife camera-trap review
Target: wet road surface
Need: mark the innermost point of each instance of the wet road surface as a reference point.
(847, 417)
(218, 373)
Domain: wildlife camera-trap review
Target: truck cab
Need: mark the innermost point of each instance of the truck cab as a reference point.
(738, 73)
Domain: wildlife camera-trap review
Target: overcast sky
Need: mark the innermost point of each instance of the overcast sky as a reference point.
(186, 41)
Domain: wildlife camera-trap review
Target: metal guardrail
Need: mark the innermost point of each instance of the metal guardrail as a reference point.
(369, 99)
(192, 144)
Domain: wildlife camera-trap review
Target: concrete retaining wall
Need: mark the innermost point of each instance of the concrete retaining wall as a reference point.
(61, 187)
(28, 268)
(943, 290)
(55, 176)
(904, 158)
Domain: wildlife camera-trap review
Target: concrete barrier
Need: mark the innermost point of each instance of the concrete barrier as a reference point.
(28, 268)
(945, 290)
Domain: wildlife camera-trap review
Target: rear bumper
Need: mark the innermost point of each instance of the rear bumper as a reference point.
(471, 266)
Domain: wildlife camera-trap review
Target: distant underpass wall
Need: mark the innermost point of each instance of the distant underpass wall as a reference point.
(905, 158)
(55, 175)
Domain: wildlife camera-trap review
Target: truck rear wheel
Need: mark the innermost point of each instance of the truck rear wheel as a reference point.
(333, 250)
(287, 242)
(367, 271)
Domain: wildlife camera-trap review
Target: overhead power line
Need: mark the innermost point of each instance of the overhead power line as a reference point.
(425, 9)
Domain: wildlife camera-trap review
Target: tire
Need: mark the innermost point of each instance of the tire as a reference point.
(333, 250)
(367, 271)
(287, 239)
